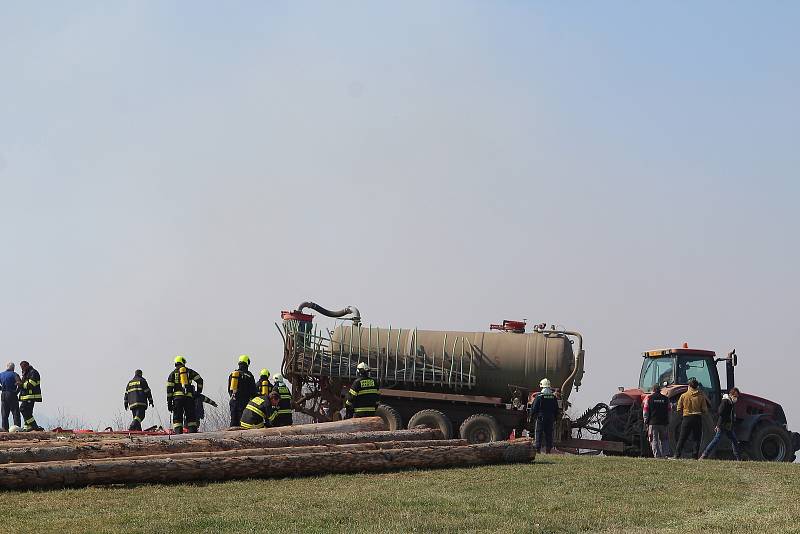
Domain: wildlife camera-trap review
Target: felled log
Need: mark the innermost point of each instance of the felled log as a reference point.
(364, 424)
(201, 443)
(303, 449)
(143, 470)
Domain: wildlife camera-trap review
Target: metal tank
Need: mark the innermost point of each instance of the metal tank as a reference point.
(491, 364)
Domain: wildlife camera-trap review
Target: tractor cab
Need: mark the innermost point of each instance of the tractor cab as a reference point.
(676, 367)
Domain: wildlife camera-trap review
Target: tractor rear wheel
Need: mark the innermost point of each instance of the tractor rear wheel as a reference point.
(390, 416)
(770, 443)
(481, 428)
(432, 419)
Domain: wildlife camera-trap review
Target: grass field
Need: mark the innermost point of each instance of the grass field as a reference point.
(554, 494)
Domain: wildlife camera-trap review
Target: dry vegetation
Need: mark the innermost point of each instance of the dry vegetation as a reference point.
(554, 494)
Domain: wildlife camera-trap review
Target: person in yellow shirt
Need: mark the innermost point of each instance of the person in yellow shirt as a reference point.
(693, 405)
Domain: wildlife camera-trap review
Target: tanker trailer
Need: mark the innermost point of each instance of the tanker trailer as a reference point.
(476, 383)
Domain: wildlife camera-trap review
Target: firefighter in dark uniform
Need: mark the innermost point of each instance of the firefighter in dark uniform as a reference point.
(362, 398)
(30, 393)
(263, 386)
(284, 415)
(137, 397)
(180, 396)
(261, 411)
(241, 388)
(544, 412)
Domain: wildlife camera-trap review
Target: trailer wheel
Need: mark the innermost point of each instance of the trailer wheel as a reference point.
(770, 443)
(432, 419)
(481, 428)
(390, 416)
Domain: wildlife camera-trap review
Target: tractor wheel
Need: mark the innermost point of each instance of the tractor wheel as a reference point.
(481, 428)
(390, 416)
(432, 419)
(770, 443)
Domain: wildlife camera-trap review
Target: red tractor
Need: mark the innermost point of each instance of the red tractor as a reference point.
(760, 423)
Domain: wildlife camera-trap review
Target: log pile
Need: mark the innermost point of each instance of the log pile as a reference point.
(360, 445)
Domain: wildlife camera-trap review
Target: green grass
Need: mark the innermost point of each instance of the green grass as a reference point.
(554, 494)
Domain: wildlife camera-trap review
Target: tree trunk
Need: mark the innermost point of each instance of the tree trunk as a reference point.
(303, 449)
(200, 443)
(142, 470)
(364, 424)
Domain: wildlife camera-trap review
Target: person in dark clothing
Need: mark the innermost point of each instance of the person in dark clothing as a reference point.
(544, 412)
(693, 405)
(180, 396)
(655, 410)
(30, 393)
(261, 411)
(241, 388)
(137, 397)
(200, 401)
(284, 415)
(362, 397)
(726, 418)
(10, 383)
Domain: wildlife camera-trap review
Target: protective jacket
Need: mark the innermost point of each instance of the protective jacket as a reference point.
(137, 393)
(362, 398)
(179, 383)
(284, 411)
(258, 413)
(241, 384)
(31, 388)
(545, 406)
(655, 409)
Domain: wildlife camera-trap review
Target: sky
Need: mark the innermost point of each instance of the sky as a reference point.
(174, 174)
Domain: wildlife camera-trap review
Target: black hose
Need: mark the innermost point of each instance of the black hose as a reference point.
(349, 310)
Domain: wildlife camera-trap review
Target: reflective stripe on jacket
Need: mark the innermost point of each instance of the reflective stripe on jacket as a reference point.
(31, 388)
(363, 395)
(258, 413)
(174, 387)
(137, 393)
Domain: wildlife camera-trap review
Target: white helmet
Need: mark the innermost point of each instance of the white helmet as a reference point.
(278, 378)
(545, 383)
(14, 428)
(363, 366)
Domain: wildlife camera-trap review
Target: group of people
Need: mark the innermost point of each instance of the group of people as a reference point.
(253, 403)
(693, 406)
(19, 395)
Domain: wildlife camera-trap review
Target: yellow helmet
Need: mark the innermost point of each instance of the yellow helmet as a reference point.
(545, 383)
(180, 359)
(245, 359)
(265, 373)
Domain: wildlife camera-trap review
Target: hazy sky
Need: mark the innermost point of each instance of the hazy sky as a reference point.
(174, 174)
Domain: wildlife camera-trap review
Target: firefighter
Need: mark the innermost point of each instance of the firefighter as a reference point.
(180, 396)
(284, 415)
(261, 411)
(241, 388)
(263, 386)
(29, 394)
(137, 397)
(545, 411)
(362, 398)
(199, 409)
